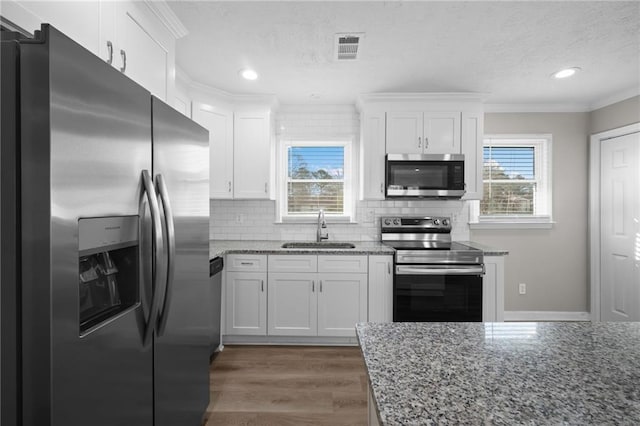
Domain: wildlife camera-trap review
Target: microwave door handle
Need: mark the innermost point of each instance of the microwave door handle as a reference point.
(158, 250)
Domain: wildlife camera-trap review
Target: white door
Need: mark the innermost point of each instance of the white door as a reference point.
(342, 302)
(293, 304)
(404, 132)
(252, 155)
(380, 289)
(246, 303)
(619, 228)
(219, 122)
(441, 133)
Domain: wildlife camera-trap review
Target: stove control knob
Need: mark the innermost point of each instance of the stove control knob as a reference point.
(445, 222)
(387, 221)
(396, 222)
(436, 222)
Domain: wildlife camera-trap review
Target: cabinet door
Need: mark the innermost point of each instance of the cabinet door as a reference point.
(78, 20)
(293, 304)
(342, 302)
(472, 140)
(380, 289)
(372, 150)
(441, 133)
(246, 303)
(252, 155)
(404, 132)
(219, 122)
(142, 47)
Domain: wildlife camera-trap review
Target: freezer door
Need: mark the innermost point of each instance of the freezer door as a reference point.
(85, 139)
(181, 345)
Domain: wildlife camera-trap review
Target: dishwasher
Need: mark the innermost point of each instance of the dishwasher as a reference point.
(215, 277)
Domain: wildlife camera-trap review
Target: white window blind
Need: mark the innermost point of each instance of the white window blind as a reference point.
(516, 177)
(316, 176)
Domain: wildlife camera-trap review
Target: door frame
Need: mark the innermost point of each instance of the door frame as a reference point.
(594, 210)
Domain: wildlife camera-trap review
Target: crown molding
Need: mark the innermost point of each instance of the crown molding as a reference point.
(231, 99)
(615, 98)
(515, 108)
(169, 19)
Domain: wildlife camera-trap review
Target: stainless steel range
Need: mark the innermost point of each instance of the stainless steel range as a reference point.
(434, 279)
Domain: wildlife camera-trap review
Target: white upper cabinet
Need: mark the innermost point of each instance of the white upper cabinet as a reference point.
(419, 123)
(79, 20)
(423, 132)
(126, 34)
(253, 155)
(219, 122)
(136, 43)
(372, 152)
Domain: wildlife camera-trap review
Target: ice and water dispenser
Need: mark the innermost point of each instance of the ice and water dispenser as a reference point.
(108, 269)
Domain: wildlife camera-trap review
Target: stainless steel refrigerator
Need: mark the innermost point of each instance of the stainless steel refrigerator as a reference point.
(105, 217)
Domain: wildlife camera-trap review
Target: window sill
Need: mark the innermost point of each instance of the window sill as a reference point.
(512, 223)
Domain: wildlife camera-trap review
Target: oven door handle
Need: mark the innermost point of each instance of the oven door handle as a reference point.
(440, 270)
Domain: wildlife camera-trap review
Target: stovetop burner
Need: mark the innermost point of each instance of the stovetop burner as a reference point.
(425, 240)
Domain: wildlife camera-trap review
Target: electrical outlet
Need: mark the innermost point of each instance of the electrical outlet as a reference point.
(239, 218)
(522, 288)
(369, 216)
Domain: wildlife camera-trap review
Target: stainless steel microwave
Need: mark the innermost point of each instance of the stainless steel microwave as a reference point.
(425, 176)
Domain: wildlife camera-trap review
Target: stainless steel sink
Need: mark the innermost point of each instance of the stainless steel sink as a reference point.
(314, 245)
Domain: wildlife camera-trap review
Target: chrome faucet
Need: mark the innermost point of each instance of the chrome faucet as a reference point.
(322, 233)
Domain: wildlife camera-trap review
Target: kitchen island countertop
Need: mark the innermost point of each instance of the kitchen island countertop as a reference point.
(575, 373)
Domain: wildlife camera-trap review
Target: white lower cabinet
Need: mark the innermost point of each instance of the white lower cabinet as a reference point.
(293, 305)
(246, 295)
(342, 302)
(313, 295)
(380, 288)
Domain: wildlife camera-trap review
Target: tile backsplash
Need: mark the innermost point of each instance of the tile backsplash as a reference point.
(255, 220)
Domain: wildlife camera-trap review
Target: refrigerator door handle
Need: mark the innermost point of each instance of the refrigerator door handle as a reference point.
(171, 243)
(149, 189)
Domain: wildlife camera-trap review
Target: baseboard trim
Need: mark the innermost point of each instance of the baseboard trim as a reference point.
(546, 316)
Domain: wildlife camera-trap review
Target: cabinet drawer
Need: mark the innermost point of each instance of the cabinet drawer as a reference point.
(246, 262)
(346, 264)
(293, 263)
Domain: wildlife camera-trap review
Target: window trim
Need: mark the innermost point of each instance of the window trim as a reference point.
(543, 145)
(348, 196)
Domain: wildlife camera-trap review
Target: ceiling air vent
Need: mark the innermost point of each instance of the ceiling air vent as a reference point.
(347, 46)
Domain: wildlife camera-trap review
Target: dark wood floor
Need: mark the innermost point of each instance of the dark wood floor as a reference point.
(288, 385)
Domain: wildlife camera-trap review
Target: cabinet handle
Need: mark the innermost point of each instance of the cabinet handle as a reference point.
(229, 186)
(426, 143)
(313, 286)
(266, 185)
(320, 286)
(419, 142)
(388, 268)
(262, 285)
(123, 54)
(110, 49)
(246, 263)
(381, 188)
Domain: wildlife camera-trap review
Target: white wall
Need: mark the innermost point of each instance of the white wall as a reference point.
(552, 262)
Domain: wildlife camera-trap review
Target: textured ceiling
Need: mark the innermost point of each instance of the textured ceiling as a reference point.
(505, 49)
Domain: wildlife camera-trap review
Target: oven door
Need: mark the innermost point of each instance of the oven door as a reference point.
(428, 293)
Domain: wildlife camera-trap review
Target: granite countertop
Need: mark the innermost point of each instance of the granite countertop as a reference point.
(220, 247)
(576, 373)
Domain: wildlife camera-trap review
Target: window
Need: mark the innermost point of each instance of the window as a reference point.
(316, 175)
(517, 181)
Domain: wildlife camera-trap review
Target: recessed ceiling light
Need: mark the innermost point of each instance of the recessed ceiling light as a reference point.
(567, 72)
(249, 74)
